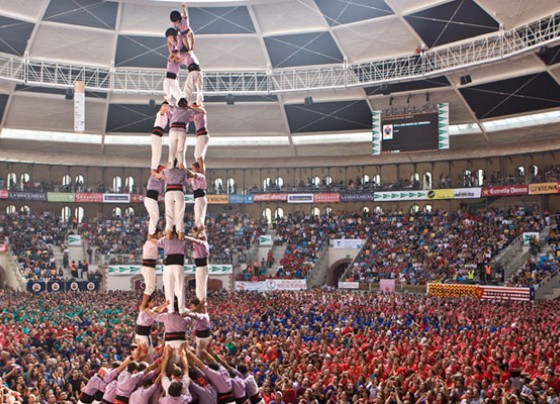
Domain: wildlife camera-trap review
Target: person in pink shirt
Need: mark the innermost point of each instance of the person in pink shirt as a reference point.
(197, 179)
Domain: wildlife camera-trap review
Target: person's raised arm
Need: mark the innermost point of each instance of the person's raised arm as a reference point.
(184, 360)
(124, 364)
(195, 360)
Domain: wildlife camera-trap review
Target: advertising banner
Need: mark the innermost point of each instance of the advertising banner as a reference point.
(240, 199)
(116, 198)
(4, 194)
(265, 240)
(189, 198)
(349, 243)
(62, 286)
(271, 285)
(137, 198)
(217, 199)
(189, 269)
(441, 194)
(467, 193)
(480, 292)
(74, 239)
(326, 198)
(27, 196)
(509, 190)
(363, 197)
(270, 197)
(543, 189)
(349, 285)
(82, 197)
(529, 235)
(60, 197)
(400, 196)
(375, 133)
(300, 198)
(387, 285)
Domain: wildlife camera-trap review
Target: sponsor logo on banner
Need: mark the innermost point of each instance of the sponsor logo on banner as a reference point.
(217, 199)
(60, 197)
(270, 197)
(265, 240)
(348, 243)
(74, 239)
(529, 235)
(4, 194)
(543, 189)
(189, 198)
(480, 292)
(505, 190)
(36, 287)
(55, 287)
(441, 194)
(364, 197)
(88, 198)
(400, 196)
(467, 193)
(116, 198)
(349, 285)
(3, 248)
(189, 269)
(387, 285)
(270, 285)
(250, 286)
(137, 198)
(326, 198)
(90, 286)
(240, 199)
(74, 286)
(300, 198)
(27, 196)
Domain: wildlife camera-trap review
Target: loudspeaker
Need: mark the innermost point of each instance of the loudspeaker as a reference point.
(69, 94)
(464, 80)
(230, 99)
(152, 103)
(308, 101)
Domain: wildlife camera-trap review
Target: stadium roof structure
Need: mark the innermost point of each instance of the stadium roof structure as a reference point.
(283, 78)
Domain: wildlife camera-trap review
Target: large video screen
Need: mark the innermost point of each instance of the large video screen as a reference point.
(411, 132)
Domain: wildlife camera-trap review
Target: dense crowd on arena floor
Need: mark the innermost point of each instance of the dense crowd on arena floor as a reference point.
(308, 347)
(443, 246)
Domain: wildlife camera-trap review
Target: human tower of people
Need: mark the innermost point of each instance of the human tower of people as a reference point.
(132, 381)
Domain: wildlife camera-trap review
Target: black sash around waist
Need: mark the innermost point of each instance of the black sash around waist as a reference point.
(241, 400)
(145, 330)
(98, 396)
(174, 259)
(255, 399)
(170, 75)
(175, 336)
(105, 401)
(174, 187)
(202, 333)
(122, 398)
(201, 262)
(152, 194)
(199, 193)
(224, 398)
(149, 263)
(86, 398)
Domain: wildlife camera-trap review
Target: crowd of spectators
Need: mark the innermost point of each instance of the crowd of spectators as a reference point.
(119, 240)
(540, 266)
(439, 246)
(469, 178)
(32, 240)
(304, 347)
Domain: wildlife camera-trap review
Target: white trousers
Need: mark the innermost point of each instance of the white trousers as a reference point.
(201, 147)
(194, 82)
(202, 343)
(146, 344)
(174, 284)
(200, 205)
(201, 278)
(149, 275)
(156, 151)
(174, 210)
(171, 89)
(152, 206)
(177, 145)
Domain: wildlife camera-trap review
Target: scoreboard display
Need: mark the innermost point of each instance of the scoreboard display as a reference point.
(411, 132)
